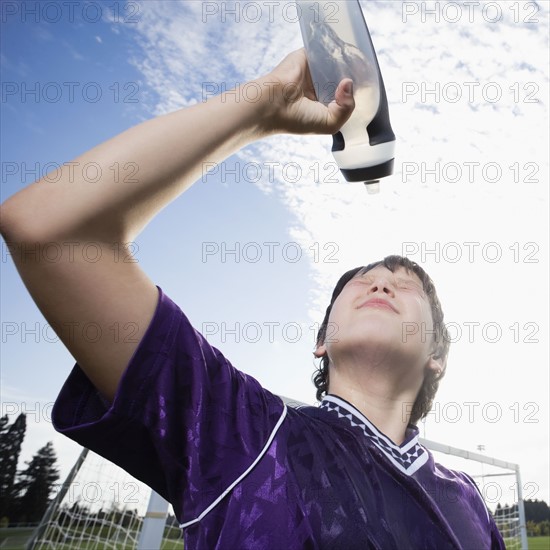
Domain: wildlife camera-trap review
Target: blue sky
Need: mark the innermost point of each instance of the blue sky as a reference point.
(170, 57)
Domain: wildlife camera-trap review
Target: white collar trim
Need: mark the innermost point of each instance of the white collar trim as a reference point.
(407, 458)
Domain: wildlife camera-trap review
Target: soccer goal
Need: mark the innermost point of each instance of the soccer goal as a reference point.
(100, 506)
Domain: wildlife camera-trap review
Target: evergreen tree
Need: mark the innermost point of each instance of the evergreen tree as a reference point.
(4, 421)
(35, 484)
(536, 510)
(11, 439)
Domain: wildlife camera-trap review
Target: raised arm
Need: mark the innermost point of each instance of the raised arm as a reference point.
(157, 161)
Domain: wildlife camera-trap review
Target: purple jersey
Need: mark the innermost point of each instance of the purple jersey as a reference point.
(242, 470)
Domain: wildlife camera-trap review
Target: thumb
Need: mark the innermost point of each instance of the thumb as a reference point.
(343, 105)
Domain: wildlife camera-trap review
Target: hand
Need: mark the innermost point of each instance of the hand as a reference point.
(293, 106)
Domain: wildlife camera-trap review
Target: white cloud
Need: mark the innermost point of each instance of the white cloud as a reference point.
(183, 49)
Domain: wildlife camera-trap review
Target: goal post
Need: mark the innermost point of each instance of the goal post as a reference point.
(39, 531)
(153, 523)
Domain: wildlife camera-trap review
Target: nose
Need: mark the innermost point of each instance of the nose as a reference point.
(382, 284)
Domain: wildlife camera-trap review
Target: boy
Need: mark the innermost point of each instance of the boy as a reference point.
(240, 468)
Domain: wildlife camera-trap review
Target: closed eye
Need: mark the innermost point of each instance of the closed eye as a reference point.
(362, 279)
(402, 284)
(407, 284)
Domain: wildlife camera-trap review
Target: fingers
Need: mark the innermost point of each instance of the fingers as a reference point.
(291, 68)
(342, 107)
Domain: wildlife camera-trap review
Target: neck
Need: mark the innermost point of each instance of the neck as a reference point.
(385, 396)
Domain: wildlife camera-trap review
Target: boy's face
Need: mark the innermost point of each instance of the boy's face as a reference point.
(382, 316)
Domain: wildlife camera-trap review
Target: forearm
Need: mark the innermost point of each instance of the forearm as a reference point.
(141, 171)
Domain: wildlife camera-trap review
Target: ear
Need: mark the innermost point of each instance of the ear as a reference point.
(434, 365)
(320, 351)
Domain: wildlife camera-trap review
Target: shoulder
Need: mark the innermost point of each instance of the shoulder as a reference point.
(309, 415)
(467, 490)
(303, 415)
(319, 429)
(456, 475)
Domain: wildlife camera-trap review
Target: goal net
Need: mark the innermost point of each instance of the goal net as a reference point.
(100, 507)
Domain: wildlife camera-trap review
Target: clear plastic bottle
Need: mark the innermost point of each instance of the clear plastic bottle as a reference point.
(338, 45)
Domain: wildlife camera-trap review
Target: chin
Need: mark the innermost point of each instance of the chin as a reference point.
(376, 347)
(372, 350)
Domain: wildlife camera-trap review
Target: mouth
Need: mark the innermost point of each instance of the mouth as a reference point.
(379, 303)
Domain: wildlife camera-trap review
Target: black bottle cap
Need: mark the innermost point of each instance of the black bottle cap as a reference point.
(370, 173)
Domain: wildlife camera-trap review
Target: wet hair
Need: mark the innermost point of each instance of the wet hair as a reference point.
(426, 394)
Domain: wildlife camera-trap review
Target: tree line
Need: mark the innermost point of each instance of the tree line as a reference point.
(537, 516)
(24, 494)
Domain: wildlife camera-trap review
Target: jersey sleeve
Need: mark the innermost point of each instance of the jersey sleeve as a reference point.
(183, 420)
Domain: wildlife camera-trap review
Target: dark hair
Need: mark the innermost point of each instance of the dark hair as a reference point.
(425, 397)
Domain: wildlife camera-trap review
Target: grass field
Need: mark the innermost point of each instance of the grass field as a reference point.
(539, 543)
(15, 539)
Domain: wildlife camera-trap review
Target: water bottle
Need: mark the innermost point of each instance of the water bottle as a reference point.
(338, 45)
